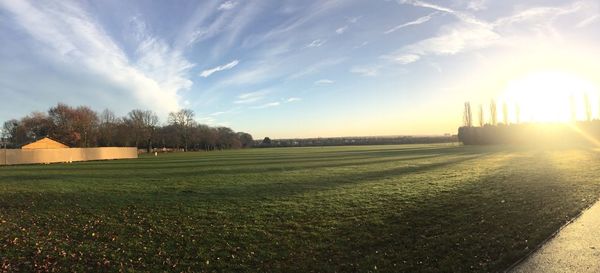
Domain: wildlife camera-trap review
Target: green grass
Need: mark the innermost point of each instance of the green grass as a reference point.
(410, 208)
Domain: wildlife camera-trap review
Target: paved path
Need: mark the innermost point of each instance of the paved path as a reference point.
(576, 248)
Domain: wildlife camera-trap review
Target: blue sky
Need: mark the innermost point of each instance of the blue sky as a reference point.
(289, 68)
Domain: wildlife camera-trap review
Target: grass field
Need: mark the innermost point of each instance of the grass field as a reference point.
(411, 208)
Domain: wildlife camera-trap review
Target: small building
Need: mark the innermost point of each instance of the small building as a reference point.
(44, 143)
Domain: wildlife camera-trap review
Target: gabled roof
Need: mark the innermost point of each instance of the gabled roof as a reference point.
(45, 143)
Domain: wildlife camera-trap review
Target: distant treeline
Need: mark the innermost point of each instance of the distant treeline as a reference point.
(83, 127)
(557, 134)
(340, 141)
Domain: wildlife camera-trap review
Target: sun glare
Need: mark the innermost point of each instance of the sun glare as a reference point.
(550, 96)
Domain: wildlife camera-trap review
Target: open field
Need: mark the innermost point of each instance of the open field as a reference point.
(410, 208)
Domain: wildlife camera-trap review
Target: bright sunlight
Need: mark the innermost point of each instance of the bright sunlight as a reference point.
(549, 96)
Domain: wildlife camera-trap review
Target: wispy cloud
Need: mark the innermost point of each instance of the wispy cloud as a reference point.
(67, 33)
(471, 33)
(351, 20)
(460, 15)
(456, 39)
(257, 73)
(361, 45)
(267, 105)
(404, 58)
(354, 20)
(227, 5)
(316, 67)
(211, 71)
(324, 82)
(221, 113)
(207, 120)
(293, 99)
(276, 103)
(537, 13)
(310, 13)
(251, 97)
(316, 43)
(369, 71)
(477, 5)
(588, 21)
(341, 30)
(418, 21)
(437, 67)
(202, 25)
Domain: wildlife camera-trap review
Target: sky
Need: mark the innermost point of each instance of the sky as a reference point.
(284, 69)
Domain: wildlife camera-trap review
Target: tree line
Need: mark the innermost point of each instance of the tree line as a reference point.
(83, 127)
(342, 141)
(491, 131)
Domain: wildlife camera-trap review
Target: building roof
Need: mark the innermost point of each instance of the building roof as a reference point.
(45, 143)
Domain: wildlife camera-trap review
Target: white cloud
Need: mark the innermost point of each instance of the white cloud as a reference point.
(324, 82)
(341, 30)
(460, 15)
(257, 73)
(67, 34)
(477, 5)
(316, 43)
(537, 14)
(217, 113)
(354, 20)
(405, 58)
(316, 67)
(470, 33)
(212, 121)
(368, 71)
(437, 67)
(227, 5)
(590, 20)
(362, 44)
(418, 3)
(251, 97)
(201, 25)
(418, 21)
(211, 71)
(455, 39)
(293, 99)
(267, 105)
(207, 120)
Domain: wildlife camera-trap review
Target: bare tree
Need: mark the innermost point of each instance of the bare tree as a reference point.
(14, 133)
(588, 107)
(143, 123)
(107, 128)
(86, 124)
(518, 113)
(573, 109)
(183, 121)
(493, 113)
(481, 117)
(467, 116)
(505, 113)
(37, 125)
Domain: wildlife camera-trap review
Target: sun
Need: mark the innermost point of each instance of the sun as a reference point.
(550, 96)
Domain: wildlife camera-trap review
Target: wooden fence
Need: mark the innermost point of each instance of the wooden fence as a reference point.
(44, 156)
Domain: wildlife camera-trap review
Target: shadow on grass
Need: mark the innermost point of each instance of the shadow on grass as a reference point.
(477, 226)
(179, 170)
(200, 159)
(481, 226)
(248, 191)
